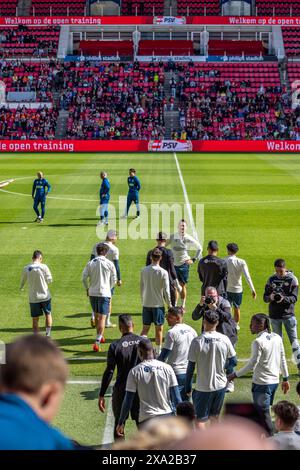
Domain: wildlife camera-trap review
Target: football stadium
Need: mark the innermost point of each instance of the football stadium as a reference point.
(149, 225)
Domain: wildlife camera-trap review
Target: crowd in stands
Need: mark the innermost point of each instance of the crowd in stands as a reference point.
(217, 103)
(114, 101)
(41, 78)
(30, 41)
(23, 123)
(128, 101)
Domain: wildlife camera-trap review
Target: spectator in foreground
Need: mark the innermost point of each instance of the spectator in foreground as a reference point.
(186, 410)
(231, 434)
(286, 416)
(297, 425)
(157, 433)
(32, 385)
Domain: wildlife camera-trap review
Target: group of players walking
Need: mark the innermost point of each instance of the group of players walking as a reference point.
(152, 381)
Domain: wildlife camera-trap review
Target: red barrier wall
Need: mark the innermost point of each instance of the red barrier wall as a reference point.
(97, 20)
(70, 146)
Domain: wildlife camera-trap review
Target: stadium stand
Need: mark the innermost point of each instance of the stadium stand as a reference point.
(279, 8)
(107, 48)
(29, 41)
(142, 7)
(166, 47)
(293, 71)
(219, 47)
(8, 7)
(57, 7)
(291, 38)
(234, 101)
(30, 77)
(23, 123)
(195, 7)
(107, 101)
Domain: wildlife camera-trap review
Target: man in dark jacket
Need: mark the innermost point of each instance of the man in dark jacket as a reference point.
(213, 301)
(281, 293)
(122, 353)
(212, 270)
(167, 263)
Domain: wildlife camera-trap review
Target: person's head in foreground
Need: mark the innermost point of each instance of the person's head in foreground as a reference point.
(286, 416)
(158, 433)
(232, 433)
(32, 383)
(186, 411)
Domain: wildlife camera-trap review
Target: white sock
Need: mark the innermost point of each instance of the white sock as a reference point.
(157, 349)
(48, 331)
(98, 338)
(93, 316)
(183, 303)
(107, 321)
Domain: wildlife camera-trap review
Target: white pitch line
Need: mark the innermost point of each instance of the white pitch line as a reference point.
(186, 198)
(108, 435)
(216, 203)
(83, 382)
(99, 359)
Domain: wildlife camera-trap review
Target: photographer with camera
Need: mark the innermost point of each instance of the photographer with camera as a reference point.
(213, 301)
(281, 293)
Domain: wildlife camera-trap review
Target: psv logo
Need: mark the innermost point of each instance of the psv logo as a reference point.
(170, 146)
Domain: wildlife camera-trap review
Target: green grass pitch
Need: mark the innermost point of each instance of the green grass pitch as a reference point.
(251, 199)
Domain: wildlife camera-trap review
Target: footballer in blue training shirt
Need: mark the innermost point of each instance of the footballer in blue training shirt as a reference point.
(134, 187)
(104, 198)
(40, 189)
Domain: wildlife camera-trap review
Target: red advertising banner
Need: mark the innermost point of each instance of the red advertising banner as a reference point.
(137, 20)
(213, 146)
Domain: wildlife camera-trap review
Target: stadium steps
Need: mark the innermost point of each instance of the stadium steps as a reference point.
(171, 117)
(170, 7)
(284, 78)
(105, 8)
(61, 128)
(24, 7)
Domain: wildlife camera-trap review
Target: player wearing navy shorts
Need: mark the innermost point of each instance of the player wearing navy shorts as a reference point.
(40, 189)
